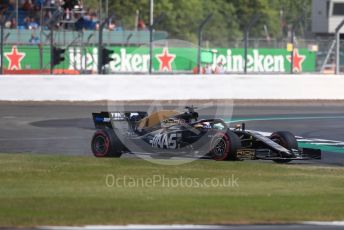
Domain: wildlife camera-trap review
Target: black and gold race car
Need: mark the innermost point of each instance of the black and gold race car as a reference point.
(169, 133)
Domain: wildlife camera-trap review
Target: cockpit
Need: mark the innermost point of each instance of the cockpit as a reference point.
(156, 119)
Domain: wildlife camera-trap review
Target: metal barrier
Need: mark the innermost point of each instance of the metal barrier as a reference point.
(123, 38)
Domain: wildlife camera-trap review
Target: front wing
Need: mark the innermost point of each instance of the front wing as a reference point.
(270, 150)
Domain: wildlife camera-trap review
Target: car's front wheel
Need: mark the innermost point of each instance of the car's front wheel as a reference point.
(224, 146)
(285, 139)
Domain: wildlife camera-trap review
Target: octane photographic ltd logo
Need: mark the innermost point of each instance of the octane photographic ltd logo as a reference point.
(170, 130)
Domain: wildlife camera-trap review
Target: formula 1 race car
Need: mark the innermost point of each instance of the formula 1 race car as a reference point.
(168, 133)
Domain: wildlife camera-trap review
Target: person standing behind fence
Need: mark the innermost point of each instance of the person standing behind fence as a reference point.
(208, 69)
(219, 69)
(195, 70)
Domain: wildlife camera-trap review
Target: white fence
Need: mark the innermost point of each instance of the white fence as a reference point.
(170, 87)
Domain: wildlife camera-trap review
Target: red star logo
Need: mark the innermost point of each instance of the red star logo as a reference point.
(14, 58)
(165, 59)
(298, 60)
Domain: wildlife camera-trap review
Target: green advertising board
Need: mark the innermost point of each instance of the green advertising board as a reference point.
(168, 59)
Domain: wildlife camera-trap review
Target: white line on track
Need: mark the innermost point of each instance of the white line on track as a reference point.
(329, 144)
(319, 140)
(315, 141)
(40, 138)
(325, 223)
(180, 227)
(132, 227)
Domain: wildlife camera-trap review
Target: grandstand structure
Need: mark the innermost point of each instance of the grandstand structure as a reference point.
(326, 16)
(23, 23)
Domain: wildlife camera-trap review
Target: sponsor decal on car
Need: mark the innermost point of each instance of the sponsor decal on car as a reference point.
(165, 141)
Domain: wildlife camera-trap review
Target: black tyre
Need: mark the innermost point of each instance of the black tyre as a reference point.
(105, 143)
(285, 139)
(224, 146)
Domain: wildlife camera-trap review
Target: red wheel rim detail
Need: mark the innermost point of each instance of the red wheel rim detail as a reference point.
(101, 144)
(220, 146)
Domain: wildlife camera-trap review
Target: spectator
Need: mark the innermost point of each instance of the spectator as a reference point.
(80, 24)
(31, 23)
(36, 7)
(39, 3)
(68, 14)
(34, 39)
(208, 69)
(4, 5)
(141, 25)
(46, 17)
(27, 22)
(94, 19)
(112, 26)
(11, 5)
(219, 69)
(70, 4)
(27, 6)
(8, 24)
(29, 14)
(11, 24)
(50, 3)
(195, 70)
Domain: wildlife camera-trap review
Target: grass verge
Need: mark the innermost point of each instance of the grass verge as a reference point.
(60, 190)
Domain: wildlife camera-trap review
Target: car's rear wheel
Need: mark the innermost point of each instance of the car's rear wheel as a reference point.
(106, 144)
(285, 139)
(224, 146)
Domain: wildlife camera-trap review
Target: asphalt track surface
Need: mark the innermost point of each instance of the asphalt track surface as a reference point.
(67, 128)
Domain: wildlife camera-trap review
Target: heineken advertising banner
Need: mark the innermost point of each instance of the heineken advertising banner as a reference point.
(169, 59)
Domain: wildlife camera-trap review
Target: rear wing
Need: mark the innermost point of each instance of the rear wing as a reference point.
(104, 119)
